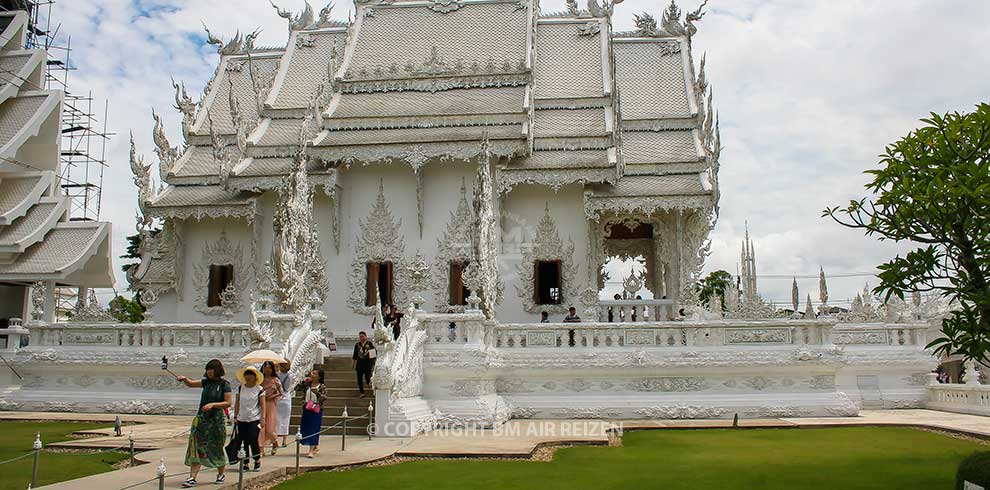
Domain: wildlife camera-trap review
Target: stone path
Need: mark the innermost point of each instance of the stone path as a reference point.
(518, 438)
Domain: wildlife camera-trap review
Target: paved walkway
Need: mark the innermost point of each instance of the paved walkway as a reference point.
(518, 438)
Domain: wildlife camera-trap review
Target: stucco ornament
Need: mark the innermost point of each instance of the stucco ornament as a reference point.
(88, 309)
(547, 246)
(400, 369)
(483, 275)
(186, 106)
(38, 291)
(300, 283)
(220, 252)
(167, 154)
(380, 241)
(453, 246)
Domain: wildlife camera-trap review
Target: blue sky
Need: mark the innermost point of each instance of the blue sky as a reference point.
(808, 91)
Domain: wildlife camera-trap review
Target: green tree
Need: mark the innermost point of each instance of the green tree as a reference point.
(133, 250)
(715, 283)
(127, 310)
(933, 189)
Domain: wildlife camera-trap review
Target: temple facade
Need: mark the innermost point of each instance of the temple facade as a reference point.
(475, 163)
(598, 144)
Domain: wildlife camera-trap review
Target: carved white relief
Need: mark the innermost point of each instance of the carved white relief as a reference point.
(143, 407)
(380, 240)
(681, 412)
(547, 246)
(221, 252)
(453, 245)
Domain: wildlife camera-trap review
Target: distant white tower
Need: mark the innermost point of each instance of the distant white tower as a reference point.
(748, 261)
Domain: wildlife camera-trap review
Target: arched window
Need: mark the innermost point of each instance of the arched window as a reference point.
(378, 281)
(221, 276)
(458, 292)
(547, 282)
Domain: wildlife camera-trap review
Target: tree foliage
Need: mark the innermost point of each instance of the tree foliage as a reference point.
(127, 310)
(933, 189)
(715, 283)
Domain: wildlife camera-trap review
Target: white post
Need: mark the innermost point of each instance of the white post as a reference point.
(49, 313)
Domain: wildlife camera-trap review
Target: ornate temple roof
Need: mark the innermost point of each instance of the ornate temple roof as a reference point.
(37, 242)
(560, 97)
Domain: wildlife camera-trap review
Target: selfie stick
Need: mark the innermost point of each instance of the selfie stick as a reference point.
(165, 366)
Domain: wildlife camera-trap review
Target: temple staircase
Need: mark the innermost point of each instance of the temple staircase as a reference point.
(341, 383)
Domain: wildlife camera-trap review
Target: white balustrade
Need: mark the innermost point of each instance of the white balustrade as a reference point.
(145, 335)
(960, 398)
(636, 310)
(663, 334)
(454, 328)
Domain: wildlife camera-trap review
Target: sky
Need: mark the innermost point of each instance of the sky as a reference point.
(808, 93)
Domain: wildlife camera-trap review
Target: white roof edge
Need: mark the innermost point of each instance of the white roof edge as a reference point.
(53, 98)
(37, 235)
(10, 89)
(45, 182)
(87, 251)
(283, 68)
(688, 77)
(19, 21)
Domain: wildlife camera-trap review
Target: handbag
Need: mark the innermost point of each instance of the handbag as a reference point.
(312, 406)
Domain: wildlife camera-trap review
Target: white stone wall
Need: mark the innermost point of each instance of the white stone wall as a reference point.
(524, 209)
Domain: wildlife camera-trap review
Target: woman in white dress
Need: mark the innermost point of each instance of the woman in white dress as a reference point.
(284, 406)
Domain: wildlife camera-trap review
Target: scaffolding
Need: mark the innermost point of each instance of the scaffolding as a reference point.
(82, 154)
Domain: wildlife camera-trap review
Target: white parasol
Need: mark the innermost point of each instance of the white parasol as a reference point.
(262, 355)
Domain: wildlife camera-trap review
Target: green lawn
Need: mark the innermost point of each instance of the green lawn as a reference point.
(16, 439)
(767, 459)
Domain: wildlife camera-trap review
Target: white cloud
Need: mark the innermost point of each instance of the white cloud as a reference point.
(808, 92)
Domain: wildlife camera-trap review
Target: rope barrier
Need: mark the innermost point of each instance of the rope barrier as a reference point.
(31, 453)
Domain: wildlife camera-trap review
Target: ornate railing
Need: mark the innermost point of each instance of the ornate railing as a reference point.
(637, 310)
(455, 328)
(968, 398)
(663, 334)
(716, 333)
(147, 335)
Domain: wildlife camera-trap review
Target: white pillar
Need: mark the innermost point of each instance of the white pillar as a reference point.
(49, 313)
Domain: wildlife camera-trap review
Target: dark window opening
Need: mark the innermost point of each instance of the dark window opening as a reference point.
(547, 291)
(378, 283)
(221, 276)
(458, 293)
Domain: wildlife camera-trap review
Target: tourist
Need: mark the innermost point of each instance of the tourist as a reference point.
(312, 414)
(394, 320)
(249, 418)
(544, 317)
(284, 405)
(272, 388)
(363, 361)
(572, 316)
(208, 430)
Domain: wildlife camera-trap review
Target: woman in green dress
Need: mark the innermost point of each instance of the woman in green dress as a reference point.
(208, 432)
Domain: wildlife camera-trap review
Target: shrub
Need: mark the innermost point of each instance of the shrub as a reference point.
(974, 469)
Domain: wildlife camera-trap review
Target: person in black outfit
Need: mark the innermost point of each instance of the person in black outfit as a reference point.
(363, 361)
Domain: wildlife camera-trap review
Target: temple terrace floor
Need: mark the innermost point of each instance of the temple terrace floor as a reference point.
(165, 437)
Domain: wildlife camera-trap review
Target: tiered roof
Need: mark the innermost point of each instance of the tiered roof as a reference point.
(37, 241)
(560, 98)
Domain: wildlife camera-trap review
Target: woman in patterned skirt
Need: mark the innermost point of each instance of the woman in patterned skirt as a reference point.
(312, 414)
(272, 389)
(208, 432)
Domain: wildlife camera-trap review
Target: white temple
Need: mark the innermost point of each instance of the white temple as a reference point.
(475, 162)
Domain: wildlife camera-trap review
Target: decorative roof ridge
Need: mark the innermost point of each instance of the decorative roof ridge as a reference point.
(433, 4)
